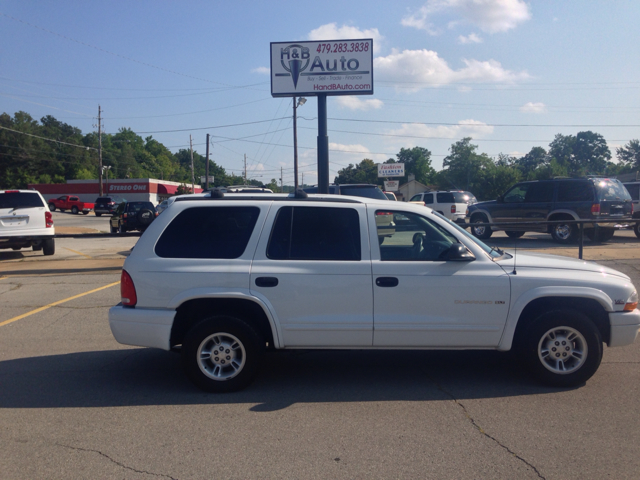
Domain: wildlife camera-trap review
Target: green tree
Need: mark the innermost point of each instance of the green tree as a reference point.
(629, 154)
(583, 154)
(530, 163)
(417, 161)
(365, 172)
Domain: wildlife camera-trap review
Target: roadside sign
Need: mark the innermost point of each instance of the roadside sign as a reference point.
(331, 67)
(391, 185)
(390, 170)
(204, 179)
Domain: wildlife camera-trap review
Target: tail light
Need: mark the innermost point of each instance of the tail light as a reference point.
(453, 209)
(48, 219)
(631, 208)
(124, 215)
(595, 209)
(384, 213)
(12, 191)
(127, 290)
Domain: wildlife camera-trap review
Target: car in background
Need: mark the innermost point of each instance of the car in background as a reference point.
(166, 203)
(25, 221)
(391, 196)
(70, 202)
(634, 191)
(588, 198)
(451, 204)
(105, 205)
(131, 216)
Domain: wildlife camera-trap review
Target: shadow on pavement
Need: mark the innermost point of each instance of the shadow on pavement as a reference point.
(139, 376)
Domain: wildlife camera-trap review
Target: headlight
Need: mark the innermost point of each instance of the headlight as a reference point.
(632, 302)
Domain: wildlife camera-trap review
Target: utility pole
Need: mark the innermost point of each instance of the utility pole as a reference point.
(207, 169)
(100, 149)
(281, 184)
(302, 179)
(193, 178)
(295, 147)
(245, 169)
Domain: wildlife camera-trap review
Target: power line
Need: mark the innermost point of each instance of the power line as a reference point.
(217, 126)
(481, 125)
(49, 139)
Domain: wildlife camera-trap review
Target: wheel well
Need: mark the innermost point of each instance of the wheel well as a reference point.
(587, 306)
(557, 217)
(192, 311)
(479, 215)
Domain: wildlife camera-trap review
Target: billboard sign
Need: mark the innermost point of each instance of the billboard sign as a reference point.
(331, 67)
(390, 170)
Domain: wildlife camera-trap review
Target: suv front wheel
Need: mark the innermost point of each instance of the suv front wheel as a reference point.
(562, 348)
(482, 232)
(222, 354)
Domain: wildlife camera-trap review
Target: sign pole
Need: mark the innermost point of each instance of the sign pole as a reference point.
(323, 145)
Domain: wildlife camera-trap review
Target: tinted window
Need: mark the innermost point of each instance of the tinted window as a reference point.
(416, 198)
(137, 206)
(517, 193)
(446, 197)
(315, 233)
(540, 192)
(428, 198)
(363, 191)
(208, 232)
(611, 190)
(419, 239)
(575, 192)
(464, 197)
(103, 200)
(633, 189)
(20, 199)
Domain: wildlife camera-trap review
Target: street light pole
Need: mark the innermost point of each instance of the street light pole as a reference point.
(300, 101)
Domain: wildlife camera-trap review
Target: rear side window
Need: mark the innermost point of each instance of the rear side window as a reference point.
(315, 233)
(20, 200)
(464, 197)
(446, 197)
(428, 198)
(634, 190)
(208, 232)
(575, 192)
(540, 192)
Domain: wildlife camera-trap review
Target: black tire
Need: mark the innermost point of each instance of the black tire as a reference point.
(512, 234)
(600, 234)
(578, 345)
(243, 350)
(49, 246)
(122, 228)
(98, 214)
(112, 229)
(564, 233)
(480, 232)
(145, 217)
(37, 248)
(636, 229)
(63, 209)
(74, 210)
(86, 212)
(52, 207)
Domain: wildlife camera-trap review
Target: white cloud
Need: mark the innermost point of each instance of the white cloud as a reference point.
(426, 67)
(352, 102)
(261, 70)
(491, 16)
(533, 107)
(464, 128)
(331, 31)
(472, 38)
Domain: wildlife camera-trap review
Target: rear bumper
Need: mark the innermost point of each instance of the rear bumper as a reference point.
(141, 327)
(624, 328)
(23, 241)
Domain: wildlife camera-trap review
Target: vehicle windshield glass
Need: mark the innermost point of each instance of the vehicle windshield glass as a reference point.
(491, 251)
(137, 206)
(363, 191)
(611, 190)
(20, 200)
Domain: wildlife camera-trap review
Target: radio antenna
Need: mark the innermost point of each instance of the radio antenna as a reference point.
(515, 253)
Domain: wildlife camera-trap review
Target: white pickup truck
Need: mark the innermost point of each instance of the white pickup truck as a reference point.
(226, 276)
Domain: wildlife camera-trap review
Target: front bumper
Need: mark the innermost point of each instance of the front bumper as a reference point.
(624, 328)
(142, 327)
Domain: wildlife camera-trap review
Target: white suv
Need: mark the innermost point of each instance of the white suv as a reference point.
(226, 276)
(25, 221)
(452, 205)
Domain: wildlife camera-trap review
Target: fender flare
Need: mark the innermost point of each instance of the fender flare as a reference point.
(238, 294)
(527, 297)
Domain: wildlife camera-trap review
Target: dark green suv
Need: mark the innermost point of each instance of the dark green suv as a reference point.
(132, 216)
(592, 198)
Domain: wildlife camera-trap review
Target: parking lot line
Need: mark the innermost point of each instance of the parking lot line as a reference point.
(79, 253)
(19, 317)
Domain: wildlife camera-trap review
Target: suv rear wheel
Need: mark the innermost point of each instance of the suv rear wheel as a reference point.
(512, 234)
(564, 232)
(49, 246)
(481, 232)
(562, 348)
(600, 234)
(222, 354)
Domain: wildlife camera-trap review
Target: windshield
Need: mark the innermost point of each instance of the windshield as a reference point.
(493, 252)
(20, 200)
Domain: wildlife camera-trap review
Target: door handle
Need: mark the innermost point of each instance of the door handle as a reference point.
(266, 281)
(387, 282)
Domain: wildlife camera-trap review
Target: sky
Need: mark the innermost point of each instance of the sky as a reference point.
(508, 73)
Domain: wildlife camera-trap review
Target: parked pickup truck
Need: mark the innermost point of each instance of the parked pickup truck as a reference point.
(70, 202)
(226, 276)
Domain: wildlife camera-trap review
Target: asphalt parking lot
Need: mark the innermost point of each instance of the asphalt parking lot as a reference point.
(76, 404)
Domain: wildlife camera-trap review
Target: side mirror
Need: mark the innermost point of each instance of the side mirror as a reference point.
(459, 253)
(500, 199)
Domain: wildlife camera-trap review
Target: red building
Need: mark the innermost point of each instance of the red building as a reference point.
(130, 189)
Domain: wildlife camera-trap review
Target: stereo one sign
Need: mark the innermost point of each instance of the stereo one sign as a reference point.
(331, 67)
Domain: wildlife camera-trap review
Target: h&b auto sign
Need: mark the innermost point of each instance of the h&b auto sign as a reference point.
(331, 67)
